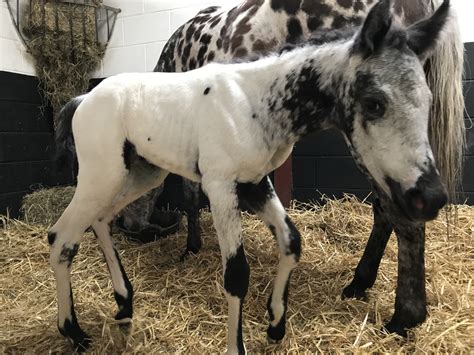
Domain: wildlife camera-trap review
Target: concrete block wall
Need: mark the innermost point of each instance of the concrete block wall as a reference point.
(142, 29)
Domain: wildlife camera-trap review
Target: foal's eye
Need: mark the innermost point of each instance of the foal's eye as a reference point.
(373, 107)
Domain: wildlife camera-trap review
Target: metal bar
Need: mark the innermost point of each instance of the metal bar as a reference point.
(84, 32)
(110, 8)
(18, 14)
(108, 25)
(43, 17)
(10, 11)
(71, 30)
(56, 23)
(96, 25)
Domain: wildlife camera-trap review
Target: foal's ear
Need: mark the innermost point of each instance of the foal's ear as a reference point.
(375, 28)
(422, 36)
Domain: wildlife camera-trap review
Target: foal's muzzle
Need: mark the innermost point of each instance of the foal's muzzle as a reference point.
(422, 202)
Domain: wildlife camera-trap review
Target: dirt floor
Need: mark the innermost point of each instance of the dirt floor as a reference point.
(180, 306)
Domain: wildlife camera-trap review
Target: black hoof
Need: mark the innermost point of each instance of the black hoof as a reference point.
(125, 313)
(276, 334)
(79, 339)
(82, 345)
(124, 316)
(395, 327)
(352, 291)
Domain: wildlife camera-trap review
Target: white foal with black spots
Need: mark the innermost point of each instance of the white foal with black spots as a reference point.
(228, 126)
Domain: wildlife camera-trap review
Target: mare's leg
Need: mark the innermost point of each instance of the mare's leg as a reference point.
(261, 198)
(136, 216)
(410, 300)
(366, 271)
(137, 183)
(191, 204)
(227, 221)
(94, 193)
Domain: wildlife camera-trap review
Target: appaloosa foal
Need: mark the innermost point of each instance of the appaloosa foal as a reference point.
(228, 126)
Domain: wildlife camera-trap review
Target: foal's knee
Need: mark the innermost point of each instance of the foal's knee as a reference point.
(61, 253)
(294, 238)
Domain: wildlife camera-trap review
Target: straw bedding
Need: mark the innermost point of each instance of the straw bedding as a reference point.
(180, 306)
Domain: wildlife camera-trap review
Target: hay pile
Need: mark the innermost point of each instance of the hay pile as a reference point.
(180, 307)
(62, 38)
(45, 206)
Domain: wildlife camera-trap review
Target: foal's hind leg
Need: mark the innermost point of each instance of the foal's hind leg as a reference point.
(91, 197)
(366, 271)
(261, 198)
(191, 204)
(136, 186)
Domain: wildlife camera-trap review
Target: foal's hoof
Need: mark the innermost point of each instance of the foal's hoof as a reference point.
(79, 339)
(82, 345)
(276, 334)
(352, 291)
(124, 316)
(395, 327)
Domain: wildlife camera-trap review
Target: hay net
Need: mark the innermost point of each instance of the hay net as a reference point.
(67, 40)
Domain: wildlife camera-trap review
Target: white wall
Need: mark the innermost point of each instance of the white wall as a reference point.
(13, 56)
(143, 28)
(465, 11)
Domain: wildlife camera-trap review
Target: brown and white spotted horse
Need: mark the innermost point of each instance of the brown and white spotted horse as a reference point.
(238, 122)
(257, 27)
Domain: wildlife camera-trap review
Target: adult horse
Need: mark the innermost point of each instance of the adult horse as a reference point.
(255, 28)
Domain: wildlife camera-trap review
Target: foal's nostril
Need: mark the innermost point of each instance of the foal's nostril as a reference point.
(418, 203)
(416, 199)
(425, 202)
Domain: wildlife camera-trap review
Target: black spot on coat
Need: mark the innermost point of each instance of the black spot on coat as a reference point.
(128, 150)
(51, 238)
(289, 6)
(295, 31)
(254, 196)
(237, 273)
(68, 254)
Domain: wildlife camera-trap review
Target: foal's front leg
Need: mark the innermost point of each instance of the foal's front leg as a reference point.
(227, 221)
(262, 199)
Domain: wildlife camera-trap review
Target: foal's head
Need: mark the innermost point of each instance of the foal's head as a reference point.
(386, 106)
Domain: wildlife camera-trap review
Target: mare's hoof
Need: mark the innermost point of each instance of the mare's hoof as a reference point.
(190, 251)
(395, 327)
(352, 291)
(276, 334)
